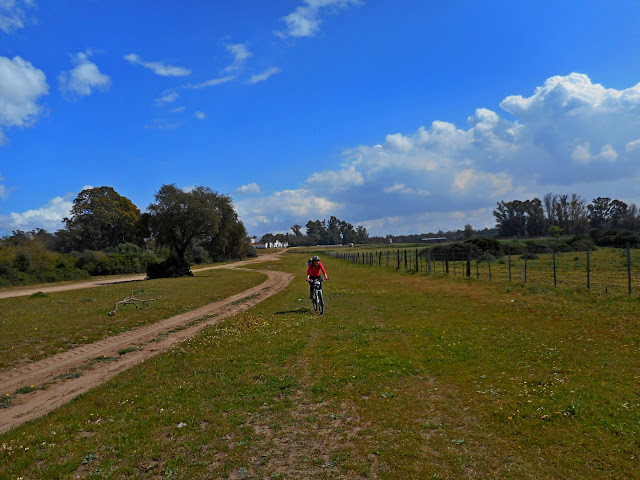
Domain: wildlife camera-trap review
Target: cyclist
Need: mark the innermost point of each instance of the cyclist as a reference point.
(313, 272)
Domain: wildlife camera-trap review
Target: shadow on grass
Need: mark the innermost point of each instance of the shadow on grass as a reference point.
(299, 310)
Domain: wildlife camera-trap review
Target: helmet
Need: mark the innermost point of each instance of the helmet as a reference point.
(315, 258)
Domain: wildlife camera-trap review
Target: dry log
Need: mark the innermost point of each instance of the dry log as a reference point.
(140, 304)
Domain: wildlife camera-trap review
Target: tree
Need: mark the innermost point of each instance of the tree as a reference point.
(599, 212)
(228, 241)
(101, 218)
(361, 234)
(468, 232)
(179, 219)
(296, 229)
(333, 231)
(348, 233)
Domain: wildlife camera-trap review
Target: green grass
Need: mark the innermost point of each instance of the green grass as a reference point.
(38, 326)
(608, 268)
(405, 376)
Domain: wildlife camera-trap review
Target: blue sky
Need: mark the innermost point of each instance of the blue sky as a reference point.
(405, 117)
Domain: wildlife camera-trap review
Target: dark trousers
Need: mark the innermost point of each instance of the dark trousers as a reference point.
(311, 285)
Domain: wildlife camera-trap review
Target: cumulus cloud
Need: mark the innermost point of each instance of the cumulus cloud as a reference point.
(264, 75)
(305, 20)
(569, 135)
(283, 209)
(13, 14)
(83, 78)
(159, 68)
(248, 189)
(48, 216)
(200, 115)
(21, 86)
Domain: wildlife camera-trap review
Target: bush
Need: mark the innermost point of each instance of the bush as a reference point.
(529, 256)
(171, 267)
(22, 262)
(487, 244)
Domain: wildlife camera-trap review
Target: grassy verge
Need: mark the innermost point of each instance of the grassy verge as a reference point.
(403, 377)
(43, 324)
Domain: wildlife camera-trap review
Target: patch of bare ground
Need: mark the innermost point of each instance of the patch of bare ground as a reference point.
(56, 380)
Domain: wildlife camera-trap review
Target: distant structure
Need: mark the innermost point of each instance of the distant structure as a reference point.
(390, 240)
(255, 243)
(434, 239)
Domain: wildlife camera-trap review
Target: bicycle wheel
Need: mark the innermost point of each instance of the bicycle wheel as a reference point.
(320, 302)
(314, 301)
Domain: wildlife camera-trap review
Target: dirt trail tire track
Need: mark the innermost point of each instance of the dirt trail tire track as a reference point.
(24, 291)
(147, 341)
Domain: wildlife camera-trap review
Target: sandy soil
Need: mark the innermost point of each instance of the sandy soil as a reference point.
(82, 360)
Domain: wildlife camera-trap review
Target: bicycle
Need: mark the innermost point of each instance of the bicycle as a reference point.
(317, 297)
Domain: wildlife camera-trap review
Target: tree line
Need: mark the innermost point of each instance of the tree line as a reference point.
(106, 233)
(564, 214)
(321, 232)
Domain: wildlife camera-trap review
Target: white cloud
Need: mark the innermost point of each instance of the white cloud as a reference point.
(283, 209)
(200, 115)
(83, 78)
(168, 96)
(337, 180)
(305, 20)
(570, 135)
(264, 75)
(250, 188)
(159, 68)
(240, 54)
(401, 188)
(21, 85)
(4, 190)
(48, 216)
(211, 83)
(13, 14)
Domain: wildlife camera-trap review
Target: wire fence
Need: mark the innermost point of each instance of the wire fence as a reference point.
(605, 270)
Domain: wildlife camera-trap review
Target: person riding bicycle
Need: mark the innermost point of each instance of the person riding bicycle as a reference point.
(313, 272)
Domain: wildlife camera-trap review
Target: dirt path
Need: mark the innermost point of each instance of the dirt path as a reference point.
(24, 291)
(73, 372)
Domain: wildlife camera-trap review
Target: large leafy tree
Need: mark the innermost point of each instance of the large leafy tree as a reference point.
(100, 218)
(180, 219)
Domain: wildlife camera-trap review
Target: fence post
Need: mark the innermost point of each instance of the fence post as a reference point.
(588, 269)
(428, 260)
(417, 266)
(453, 258)
(468, 261)
(446, 260)
(629, 266)
(555, 277)
(405, 259)
(398, 268)
(509, 253)
(388, 256)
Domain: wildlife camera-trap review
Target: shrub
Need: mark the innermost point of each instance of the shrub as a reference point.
(529, 256)
(171, 267)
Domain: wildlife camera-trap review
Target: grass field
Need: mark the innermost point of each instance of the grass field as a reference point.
(41, 325)
(405, 376)
(607, 267)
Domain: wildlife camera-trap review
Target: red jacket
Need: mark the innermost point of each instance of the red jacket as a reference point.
(315, 271)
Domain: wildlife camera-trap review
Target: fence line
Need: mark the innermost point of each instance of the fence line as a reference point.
(613, 271)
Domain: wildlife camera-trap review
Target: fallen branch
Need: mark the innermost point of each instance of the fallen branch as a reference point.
(140, 304)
